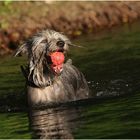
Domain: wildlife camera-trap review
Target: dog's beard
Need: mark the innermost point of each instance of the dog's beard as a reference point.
(41, 71)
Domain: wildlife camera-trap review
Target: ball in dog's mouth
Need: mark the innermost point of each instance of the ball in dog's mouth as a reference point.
(57, 59)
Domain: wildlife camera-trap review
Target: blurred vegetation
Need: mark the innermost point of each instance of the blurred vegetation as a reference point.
(19, 20)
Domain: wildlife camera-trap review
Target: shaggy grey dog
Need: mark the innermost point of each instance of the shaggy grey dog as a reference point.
(44, 84)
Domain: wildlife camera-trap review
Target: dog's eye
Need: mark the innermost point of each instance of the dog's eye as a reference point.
(60, 43)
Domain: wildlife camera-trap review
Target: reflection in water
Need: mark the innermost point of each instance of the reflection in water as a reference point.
(54, 122)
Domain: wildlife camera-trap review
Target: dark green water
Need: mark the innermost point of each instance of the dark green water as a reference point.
(111, 63)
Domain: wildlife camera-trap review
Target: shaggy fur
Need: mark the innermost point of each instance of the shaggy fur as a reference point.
(43, 85)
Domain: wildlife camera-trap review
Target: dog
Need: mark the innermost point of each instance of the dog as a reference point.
(47, 81)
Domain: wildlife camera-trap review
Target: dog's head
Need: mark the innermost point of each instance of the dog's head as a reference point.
(46, 53)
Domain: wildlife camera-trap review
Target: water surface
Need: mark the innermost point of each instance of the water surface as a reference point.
(110, 61)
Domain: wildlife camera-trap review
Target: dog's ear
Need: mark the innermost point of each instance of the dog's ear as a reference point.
(21, 50)
(73, 45)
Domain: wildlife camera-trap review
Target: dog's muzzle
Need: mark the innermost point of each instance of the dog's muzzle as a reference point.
(56, 58)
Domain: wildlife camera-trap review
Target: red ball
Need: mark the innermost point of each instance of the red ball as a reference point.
(57, 58)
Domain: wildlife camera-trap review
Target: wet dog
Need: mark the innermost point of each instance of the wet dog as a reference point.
(50, 77)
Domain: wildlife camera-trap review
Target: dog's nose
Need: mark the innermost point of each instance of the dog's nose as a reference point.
(60, 44)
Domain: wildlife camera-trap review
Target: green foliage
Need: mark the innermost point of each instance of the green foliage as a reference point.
(7, 2)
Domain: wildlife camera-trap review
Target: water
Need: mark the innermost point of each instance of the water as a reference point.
(54, 123)
(110, 61)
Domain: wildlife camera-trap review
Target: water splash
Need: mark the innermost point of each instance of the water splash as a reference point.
(115, 87)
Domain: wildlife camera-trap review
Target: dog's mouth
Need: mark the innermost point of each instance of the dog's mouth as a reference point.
(56, 60)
